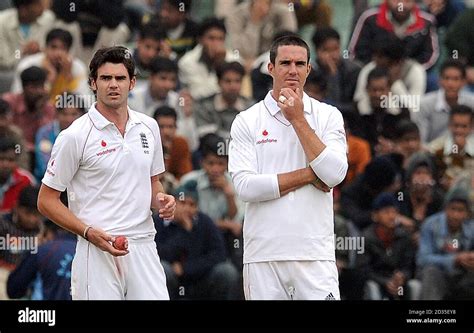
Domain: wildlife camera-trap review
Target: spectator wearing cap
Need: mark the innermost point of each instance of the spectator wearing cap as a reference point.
(217, 197)
(12, 178)
(48, 270)
(215, 114)
(446, 253)
(389, 254)
(197, 68)
(193, 253)
(19, 229)
(380, 175)
(31, 109)
(421, 195)
(65, 73)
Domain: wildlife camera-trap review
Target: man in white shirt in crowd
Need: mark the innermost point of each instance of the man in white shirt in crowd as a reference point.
(109, 160)
(286, 153)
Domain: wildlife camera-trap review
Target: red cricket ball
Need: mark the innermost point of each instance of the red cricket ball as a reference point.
(121, 243)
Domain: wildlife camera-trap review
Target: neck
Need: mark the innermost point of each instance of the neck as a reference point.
(22, 18)
(452, 100)
(229, 100)
(118, 116)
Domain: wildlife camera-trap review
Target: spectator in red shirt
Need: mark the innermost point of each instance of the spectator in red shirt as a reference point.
(31, 108)
(12, 178)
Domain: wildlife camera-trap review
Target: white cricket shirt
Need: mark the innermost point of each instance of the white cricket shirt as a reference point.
(107, 176)
(300, 225)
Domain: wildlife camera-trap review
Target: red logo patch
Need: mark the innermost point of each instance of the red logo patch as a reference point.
(103, 143)
(265, 133)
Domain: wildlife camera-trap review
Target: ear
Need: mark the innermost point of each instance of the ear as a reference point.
(270, 68)
(309, 69)
(133, 82)
(93, 84)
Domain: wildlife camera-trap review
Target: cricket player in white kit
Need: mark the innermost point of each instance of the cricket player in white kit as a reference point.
(286, 153)
(109, 161)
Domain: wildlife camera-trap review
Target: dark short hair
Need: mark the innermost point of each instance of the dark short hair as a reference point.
(462, 110)
(377, 73)
(28, 197)
(210, 23)
(233, 66)
(287, 40)
(389, 46)
(4, 107)
(211, 144)
(404, 127)
(453, 63)
(115, 55)
(63, 35)
(162, 64)
(7, 143)
(318, 79)
(33, 75)
(165, 111)
(177, 4)
(151, 30)
(19, 3)
(324, 34)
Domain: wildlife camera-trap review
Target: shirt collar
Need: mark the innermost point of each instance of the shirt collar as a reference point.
(100, 122)
(468, 148)
(441, 104)
(273, 108)
(220, 105)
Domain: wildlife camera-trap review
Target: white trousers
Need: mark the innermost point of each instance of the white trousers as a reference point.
(291, 280)
(98, 275)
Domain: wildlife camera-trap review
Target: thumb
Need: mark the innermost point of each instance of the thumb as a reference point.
(299, 93)
(160, 196)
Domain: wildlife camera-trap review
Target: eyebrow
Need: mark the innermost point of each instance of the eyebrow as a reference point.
(298, 62)
(110, 76)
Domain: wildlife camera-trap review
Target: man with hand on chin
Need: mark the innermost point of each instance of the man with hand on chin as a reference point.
(289, 144)
(109, 160)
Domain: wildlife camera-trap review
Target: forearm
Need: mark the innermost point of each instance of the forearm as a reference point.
(52, 208)
(290, 181)
(312, 145)
(231, 206)
(156, 187)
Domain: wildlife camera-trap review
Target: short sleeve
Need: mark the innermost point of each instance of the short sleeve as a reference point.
(64, 162)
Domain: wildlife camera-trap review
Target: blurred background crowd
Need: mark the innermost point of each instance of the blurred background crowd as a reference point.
(400, 71)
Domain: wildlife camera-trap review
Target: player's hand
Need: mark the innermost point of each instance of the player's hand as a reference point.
(291, 104)
(167, 205)
(320, 185)
(104, 242)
